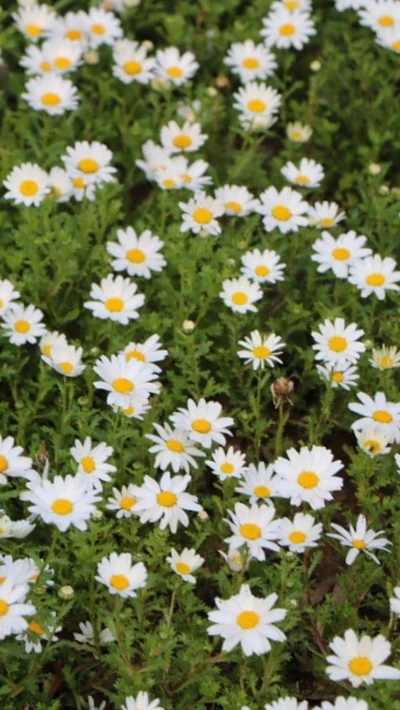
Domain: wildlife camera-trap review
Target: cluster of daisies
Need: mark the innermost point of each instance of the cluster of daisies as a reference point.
(381, 16)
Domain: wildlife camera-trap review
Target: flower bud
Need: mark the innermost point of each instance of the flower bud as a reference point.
(66, 592)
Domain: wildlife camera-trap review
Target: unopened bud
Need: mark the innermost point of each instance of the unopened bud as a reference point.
(66, 592)
(188, 326)
(91, 57)
(374, 169)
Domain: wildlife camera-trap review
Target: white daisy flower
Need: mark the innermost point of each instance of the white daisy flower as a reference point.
(62, 502)
(395, 601)
(11, 461)
(299, 534)
(155, 159)
(298, 132)
(102, 27)
(256, 123)
(37, 632)
(49, 340)
(261, 350)
(17, 571)
(65, 359)
(379, 15)
(375, 275)
(87, 634)
(15, 528)
(247, 620)
(72, 26)
(308, 174)
(22, 324)
(82, 189)
(325, 215)
(169, 176)
(227, 464)
(133, 411)
(166, 501)
(200, 214)
(131, 62)
(284, 28)
(339, 254)
(8, 294)
(55, 55)
(203, 421)
(389, 38)
(137, 254)
(237, 200)
(52, 94)
(253, 526)
(120, 576)
(27, 184)
(92, 461)
(234, 559)
(13, 609)
(250, 61)
(385, 358)
(337, 344)
(259, 483)
(240, 294)
(359, 539)
(127, 383)
(360, 660)
(115, 298)
(373, 441)
(256, 99)
(263, 267)
(287, 703)
(284, 210)
(345, 378)
(34, 20)
(150, 352)
(188, 138)
(174, 448)
(60, 184)
(175, 68)
(192, 174)
(308, 476)
(141, 702)
(185, 563)
(90, 162)
(123, 501)
(377, 412)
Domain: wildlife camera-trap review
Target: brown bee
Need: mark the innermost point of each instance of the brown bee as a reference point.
(281, 389)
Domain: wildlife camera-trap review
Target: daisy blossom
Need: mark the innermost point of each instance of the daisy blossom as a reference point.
(325, 215)
(345, 378)
(200, 214)
(377, 412)
(166, 501)
(8, 294)
(227, 464)
(372, 441)
(308, 476)
(375, 274)
(237, 200)
(123, 501)
(385, 358)
(259, 483)
(308, 174)
(115, 298)
(92, 461)
(256, 100)
(253, 526)
(175, 68)
(240, 294)
(185, 563)
(284, 210)
(11, 461)
(359, 539)
(138, 255)
(284, 28)
(339, 254)
(261, 350)
(22, 324)
(203, 421)
(62, 502)
(14, 608)
(360, 660)
(52, 94)
(300, 533)
(263, 267)
(27, 184)
(250, 60)
(173, 447)
(120, 576)
(128, 383)
(188, 138)
(337, 344)
(141, 702)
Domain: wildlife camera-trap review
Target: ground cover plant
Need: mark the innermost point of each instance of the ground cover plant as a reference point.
(199, 316)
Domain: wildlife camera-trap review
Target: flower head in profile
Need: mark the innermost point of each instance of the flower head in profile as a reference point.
(359, 539)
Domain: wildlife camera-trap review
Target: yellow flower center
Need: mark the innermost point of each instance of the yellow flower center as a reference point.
(28, 188)
(302, 180)
(3, 607)
(250, 531)
(360, 666)
(250, 63)
(62, 63)
(287, 30)
(296, 135)
(375, 280)
(50, 99)
(227, 468)
(73, 34)
(385, 361)
(202, 426)
(135, 256)
(88, 464)
(256, 105)
(374, 447)
(359, 544)
(168, 183)
(261, 352)
(382, 416)
(262, 491)
(33, 30)
(127, 410)
(291, 4)
(175, 446)
(248, 619)
(234, 206)
(325, 222)
(187, 178)
(115, 305)
(174, 72)
(262, 271)
(281, 213)
(45, 66)
(182, 141)
(66, 367)
(337, 343)
(97, 29)
(119, 581)
(202, 215)
(297, 537)
(88, 166)
(127, 502)
(182, 568)
(239, 298)
(3, 463)
(22, 326)
(62, 506)
(337, 376)
(396, 46)
(136, 354)
(122, 385)
(36, 628)
(132, 68)
(167, 499)
(386, 21)
(307, 479)
(341, 254)
(78, 182)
